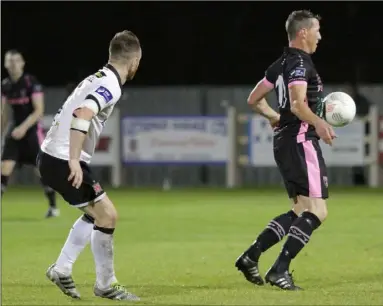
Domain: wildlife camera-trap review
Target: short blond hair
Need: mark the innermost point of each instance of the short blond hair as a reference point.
(124, 45)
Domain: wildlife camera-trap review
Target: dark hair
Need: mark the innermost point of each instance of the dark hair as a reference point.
(298, 20)
(123, 45)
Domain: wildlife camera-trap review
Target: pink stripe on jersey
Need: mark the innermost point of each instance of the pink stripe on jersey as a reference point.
(37, 94)
(19, 101)
(297, 83)
(40, 133)
(267, 83)
(301, 137)
(313, 170)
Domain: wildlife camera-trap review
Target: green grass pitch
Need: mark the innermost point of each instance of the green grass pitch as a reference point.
(179, 248)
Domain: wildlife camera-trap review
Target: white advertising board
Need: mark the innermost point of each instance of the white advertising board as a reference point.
(168, 140)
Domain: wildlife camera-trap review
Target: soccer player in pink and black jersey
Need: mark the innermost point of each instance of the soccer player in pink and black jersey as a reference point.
(24, 95)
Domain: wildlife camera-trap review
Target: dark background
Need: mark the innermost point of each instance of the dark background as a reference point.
(190, 42)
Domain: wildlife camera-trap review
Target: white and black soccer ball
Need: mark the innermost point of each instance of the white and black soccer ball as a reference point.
(340, 109)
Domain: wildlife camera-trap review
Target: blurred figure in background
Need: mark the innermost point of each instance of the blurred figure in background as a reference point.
(25, 95)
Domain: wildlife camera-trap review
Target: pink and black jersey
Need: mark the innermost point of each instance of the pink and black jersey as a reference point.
(19, 96)
(295, 67)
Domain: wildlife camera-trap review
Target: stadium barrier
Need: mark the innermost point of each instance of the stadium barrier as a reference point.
(108, 150)
(183, 140)
(352, 147)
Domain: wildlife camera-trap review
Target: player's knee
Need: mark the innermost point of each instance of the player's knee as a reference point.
(297, 207)
(7, 167)
(108, 219)
(322, 212)
(316, 206)
(319, 208)
(106, 213)
(111, 215)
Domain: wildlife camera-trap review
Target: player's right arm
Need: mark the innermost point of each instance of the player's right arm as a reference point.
(258, 102)
(297, 83)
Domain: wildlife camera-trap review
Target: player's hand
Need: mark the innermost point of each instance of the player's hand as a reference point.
(18, 132)
(75, 173)
(274, 122)
(325, 131)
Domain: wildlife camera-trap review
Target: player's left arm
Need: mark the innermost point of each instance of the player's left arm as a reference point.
(79, 129)
(257, 99)
(94, 102)
(37, 97)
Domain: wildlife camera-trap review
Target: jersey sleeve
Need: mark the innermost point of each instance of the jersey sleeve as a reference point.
(297, 72)
(270, 77)
(103, 96)
(4, 89)
(36, 88)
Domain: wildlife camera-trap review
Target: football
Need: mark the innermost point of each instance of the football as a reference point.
(340, 109)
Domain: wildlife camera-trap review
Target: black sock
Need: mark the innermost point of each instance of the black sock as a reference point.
(298, 236)
(50, 194)
(272, 234)
(4, 183)
(87, 218)
(104, 230)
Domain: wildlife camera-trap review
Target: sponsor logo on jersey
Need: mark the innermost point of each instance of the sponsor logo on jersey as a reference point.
(19, 101)
(298, 72)
(105, 93)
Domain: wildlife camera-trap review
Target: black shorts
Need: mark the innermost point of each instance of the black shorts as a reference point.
(23, 151)
(302, 167)
(55, 172)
